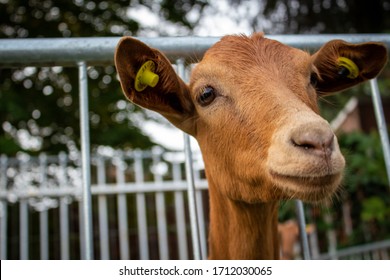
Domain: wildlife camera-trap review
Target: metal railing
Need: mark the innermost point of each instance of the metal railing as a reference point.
(373, 251)
(81, 52)
(150, 183)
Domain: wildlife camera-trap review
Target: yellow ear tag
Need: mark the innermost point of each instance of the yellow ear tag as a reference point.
(350, 66)
(145, 76)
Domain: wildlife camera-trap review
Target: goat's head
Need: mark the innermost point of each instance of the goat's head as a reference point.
(252, 106)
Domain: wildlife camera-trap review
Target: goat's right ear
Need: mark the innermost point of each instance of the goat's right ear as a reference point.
(164, 93)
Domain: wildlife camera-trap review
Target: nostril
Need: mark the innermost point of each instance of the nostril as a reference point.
(306, 146)
(316, 141)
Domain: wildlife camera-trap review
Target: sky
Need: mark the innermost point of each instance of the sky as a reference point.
(218, 19)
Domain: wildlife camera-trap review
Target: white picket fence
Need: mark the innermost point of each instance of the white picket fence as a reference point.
(141, 193)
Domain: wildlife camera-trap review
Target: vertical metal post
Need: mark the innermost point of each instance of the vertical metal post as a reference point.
(103, 217)
(190, 181)
(64, 211)
(201, 223)
(162, 228)
(380, 119)
(23, 219)
(180, 213)
(64, 228)
(23, 225)
(122, 210)
(141, 207)
(192, 199)
(43, 214)
(302, 229)
(43, 235)
(201, 220)
(86, 159)
(3, 208)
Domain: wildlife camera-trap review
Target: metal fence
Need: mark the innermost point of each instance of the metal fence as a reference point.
(52, 183)
(137, 196)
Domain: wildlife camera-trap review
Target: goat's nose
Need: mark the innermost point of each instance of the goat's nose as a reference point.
(316, 140)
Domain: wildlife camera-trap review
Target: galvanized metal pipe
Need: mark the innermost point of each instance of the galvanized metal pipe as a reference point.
(3, 208)
(201, 224)
(103, 216)
(106, 189)
(64, 211)
(302, 230)
(43, 215)
(86, 160)
(196, 246)
(23, 220)
(81, 221)
(100, 51)
(160, 208)
(180, 214)
(44, 234)
(64, 228)
(141, 208)
(356, 250)
(23, 232)
(381, 122)
(201, 215)
(122, 212)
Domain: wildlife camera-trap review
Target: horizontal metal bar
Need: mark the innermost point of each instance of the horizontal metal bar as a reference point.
(56, 51)
(100, 51)
(106, 189)
(127, 155)
(360, 249)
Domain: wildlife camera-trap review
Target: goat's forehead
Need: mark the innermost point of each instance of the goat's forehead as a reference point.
(242, 51)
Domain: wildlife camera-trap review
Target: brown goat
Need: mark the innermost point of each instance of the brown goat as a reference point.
(252, 106)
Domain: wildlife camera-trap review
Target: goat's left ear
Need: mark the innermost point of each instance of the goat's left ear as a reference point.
(342, 65)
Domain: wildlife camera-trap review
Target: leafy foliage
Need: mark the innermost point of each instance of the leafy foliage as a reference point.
(329, 16)
(39, 106)
(367, 186)
(365, 162)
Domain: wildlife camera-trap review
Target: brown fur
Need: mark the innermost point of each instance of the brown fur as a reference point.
(261, 138)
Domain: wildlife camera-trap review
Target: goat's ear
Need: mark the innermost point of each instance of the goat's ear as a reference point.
(164, 93)
(342, 65)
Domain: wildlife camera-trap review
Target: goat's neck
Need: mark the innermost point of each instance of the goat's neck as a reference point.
(239, 230)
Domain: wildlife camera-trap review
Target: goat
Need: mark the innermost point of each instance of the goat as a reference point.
(252, 106)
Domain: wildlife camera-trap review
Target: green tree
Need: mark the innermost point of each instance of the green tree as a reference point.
(367, 186)
(39, 106)
(328, 16)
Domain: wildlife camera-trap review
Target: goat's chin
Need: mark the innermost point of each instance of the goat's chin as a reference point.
(307, 188)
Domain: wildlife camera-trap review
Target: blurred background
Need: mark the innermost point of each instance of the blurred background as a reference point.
(39, 113)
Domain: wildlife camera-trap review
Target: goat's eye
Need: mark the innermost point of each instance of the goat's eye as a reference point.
(207, 96)
(313, 79)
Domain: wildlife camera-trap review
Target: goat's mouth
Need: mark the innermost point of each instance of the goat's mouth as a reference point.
(310, 188)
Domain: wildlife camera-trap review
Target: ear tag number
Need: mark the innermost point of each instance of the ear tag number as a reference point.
(145, 76)
(348, 68)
